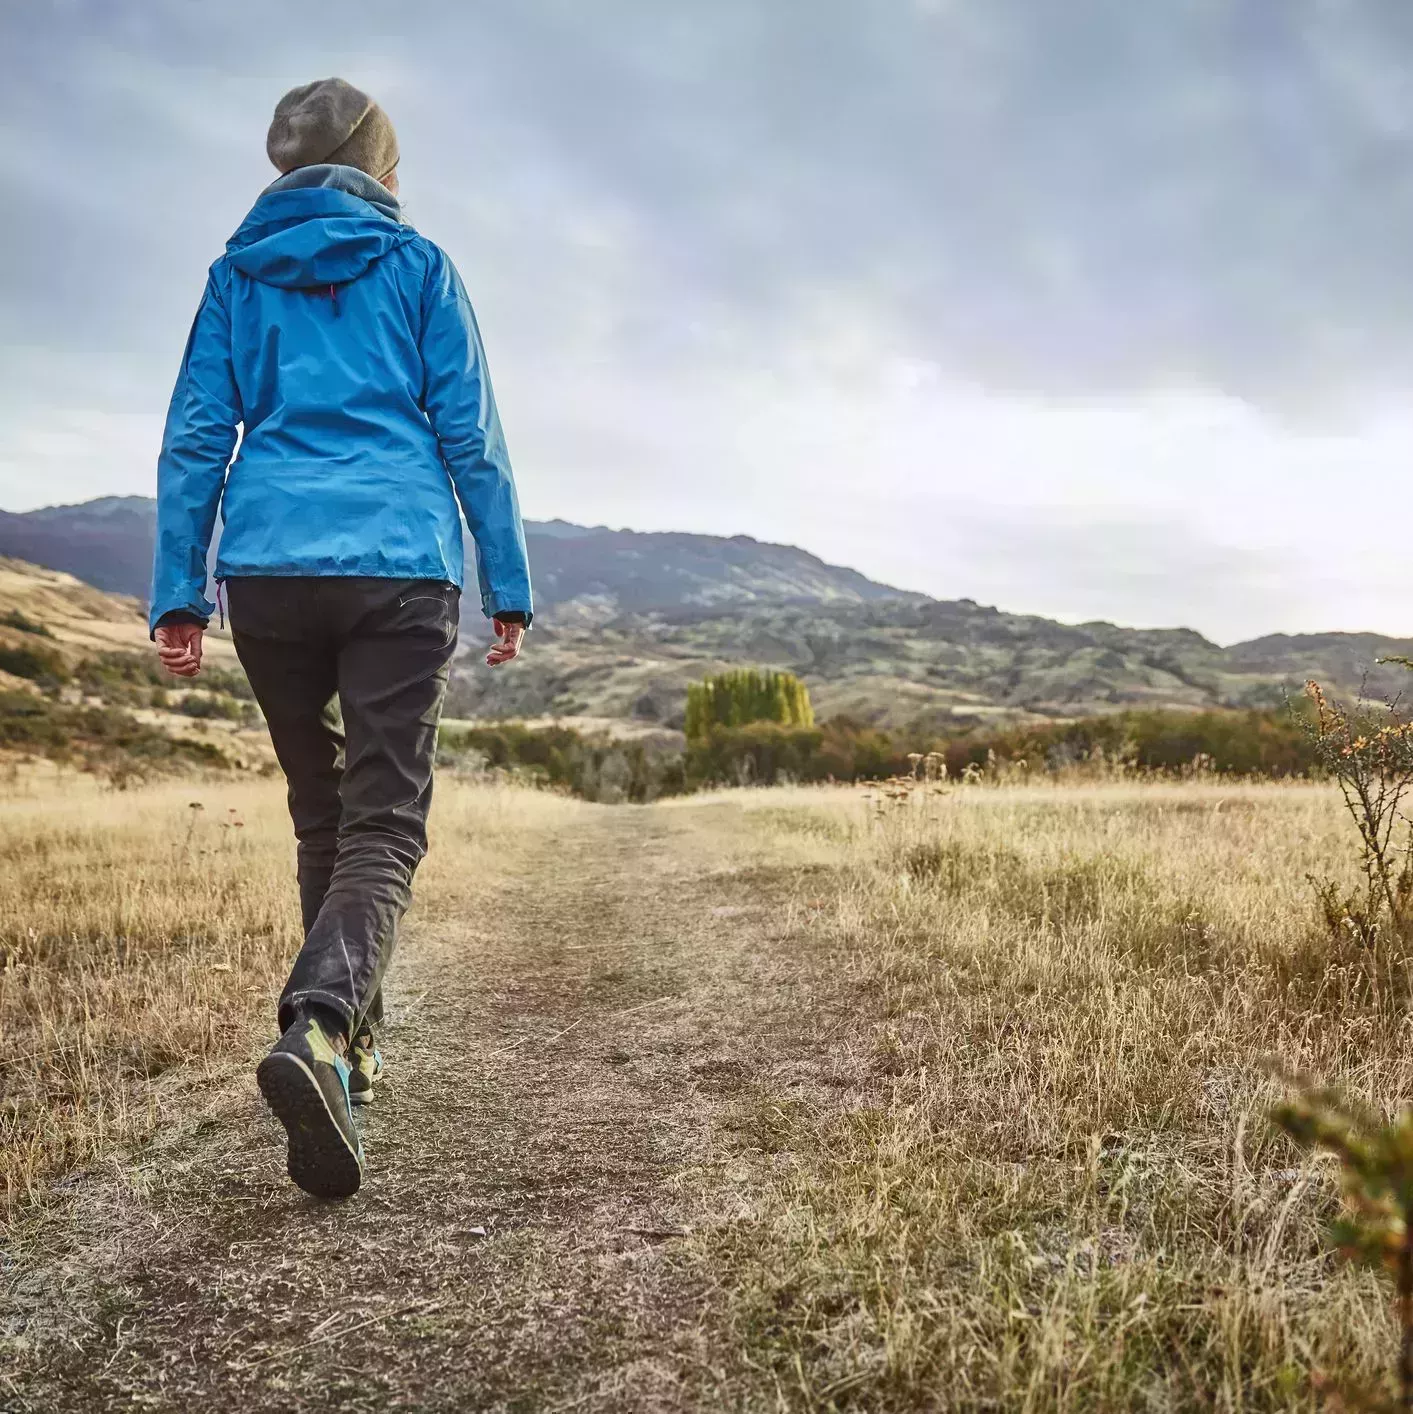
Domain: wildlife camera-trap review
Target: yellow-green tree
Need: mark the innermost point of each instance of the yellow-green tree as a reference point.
(733, 699)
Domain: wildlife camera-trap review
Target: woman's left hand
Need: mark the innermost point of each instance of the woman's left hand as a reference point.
(507, 645)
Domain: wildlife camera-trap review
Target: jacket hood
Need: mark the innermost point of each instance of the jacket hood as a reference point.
(318, 226)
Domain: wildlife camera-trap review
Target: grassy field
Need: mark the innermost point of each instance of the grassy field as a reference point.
(1032, 1169)
(146, 930)
(1066, 1194)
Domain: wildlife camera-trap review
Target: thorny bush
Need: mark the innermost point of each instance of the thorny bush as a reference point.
(1368, 751)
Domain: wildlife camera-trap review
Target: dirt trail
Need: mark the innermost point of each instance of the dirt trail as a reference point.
(561, 1077)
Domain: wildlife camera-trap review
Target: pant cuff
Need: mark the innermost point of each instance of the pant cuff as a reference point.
(292, 1002)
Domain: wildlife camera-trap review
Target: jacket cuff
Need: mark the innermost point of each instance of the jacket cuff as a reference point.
(494, 607)
(180, 616)
(185, 611)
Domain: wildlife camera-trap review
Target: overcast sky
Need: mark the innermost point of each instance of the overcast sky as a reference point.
(1094, 309)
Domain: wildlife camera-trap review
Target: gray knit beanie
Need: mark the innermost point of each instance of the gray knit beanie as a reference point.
(331, 121)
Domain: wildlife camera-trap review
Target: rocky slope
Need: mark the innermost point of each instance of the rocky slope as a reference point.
(898, 662)
(67, 616)
(626, 619)
(109, 543)
(106, 543)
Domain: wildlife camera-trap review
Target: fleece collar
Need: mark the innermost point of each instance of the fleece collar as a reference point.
(336, 178)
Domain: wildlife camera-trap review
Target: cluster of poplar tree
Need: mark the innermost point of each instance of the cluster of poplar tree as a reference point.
(745, 695)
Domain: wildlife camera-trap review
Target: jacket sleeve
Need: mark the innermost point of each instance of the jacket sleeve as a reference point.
(459, 404)
(196, 448)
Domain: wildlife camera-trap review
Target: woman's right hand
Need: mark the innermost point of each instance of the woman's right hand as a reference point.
(179, 648)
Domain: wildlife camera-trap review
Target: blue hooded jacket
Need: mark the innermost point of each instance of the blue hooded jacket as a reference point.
(344, 344)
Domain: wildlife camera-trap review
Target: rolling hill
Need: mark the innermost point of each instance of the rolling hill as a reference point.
(627, 618)
(108, 543)
(74, 618)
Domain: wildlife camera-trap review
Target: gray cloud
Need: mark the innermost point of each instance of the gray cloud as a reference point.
(1055, 196)
(702, 240)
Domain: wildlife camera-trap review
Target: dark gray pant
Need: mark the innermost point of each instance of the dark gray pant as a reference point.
(359, 792)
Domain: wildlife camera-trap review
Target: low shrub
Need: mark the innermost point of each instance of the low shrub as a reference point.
(1251, 743)
(22, 623)
(761, 753)
(209, 706)
(105, 740)
(38, 664)
(129, 679)
(594, 767)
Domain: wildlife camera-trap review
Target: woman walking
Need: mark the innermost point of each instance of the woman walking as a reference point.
(342, 344)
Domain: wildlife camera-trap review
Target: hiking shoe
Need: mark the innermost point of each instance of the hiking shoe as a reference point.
(365, 1067)
(305, 1082)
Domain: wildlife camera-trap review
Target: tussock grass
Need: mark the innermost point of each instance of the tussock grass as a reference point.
(139, 934)
(135, 932)
(1058, 1190)
(1026, 1167)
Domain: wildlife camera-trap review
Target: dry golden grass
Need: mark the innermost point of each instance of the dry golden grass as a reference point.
(1065, 1194)
(134, 931)
(82, 619)
(1032, 1169)
(138, 933)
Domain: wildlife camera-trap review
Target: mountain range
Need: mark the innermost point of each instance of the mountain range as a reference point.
(108, 543)
(626, 619)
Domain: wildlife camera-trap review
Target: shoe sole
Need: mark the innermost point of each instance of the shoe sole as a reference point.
(320, 1159)
(361, 1097)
